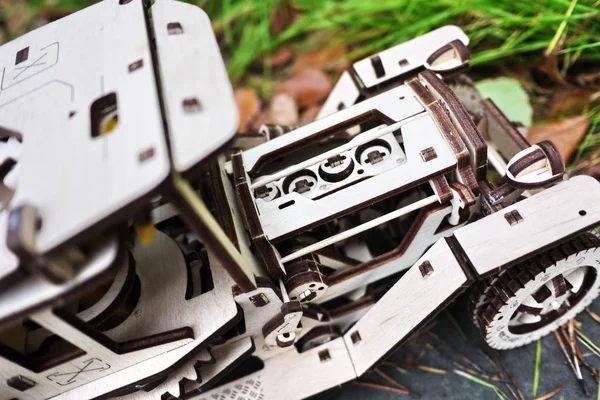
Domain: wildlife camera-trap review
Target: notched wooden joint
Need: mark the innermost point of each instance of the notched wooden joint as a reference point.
(20, 383)
(426, 269)
(174, 28)
(324, 355)
(22, 56)
(259, 300)
(136, 65)
(192, 105)
(378, 66)
(513, 217)
(428, 154)
(355, 337)
(146, 155)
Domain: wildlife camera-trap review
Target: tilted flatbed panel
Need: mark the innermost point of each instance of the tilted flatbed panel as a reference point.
(411, 302)
(291, 375)
(549, 216)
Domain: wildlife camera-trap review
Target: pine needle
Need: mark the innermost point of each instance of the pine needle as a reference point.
(587, 342)
(455, 324)
(501, 395)
(380, 387)
(592, 314)
(536, 371)
(552, 393)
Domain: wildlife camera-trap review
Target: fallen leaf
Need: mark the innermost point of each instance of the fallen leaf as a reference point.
(16, 17)
(279, 58)
(565, 134)
(55, 13)
(283, 110)
(249, 106)
(467, 93)
(261, 119)
(282, 17)
(588, 78)
(593, 171)
(509, 96)
(308, 86)
(570, 99)
(309, 115)
(327, 58)
(549, 67)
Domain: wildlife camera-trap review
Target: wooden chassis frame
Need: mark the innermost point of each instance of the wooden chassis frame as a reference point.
(458, 256)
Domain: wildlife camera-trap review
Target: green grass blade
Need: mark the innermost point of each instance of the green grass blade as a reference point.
(536, 371)
(501, 395)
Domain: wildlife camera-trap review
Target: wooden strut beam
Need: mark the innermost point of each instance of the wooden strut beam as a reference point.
(361, 228)
(202, 222)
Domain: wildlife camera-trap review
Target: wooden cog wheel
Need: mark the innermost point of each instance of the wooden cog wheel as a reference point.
(534, 297)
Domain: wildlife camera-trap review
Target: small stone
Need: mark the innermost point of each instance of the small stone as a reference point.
(308, 86)
(283, 110)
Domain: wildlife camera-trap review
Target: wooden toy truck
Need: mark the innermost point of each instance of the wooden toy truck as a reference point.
(148, 251)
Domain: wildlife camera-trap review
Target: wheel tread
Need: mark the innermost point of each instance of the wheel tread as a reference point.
(491, 295)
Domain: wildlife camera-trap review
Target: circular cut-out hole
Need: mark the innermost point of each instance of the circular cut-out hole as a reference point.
(322, 288)
(294, 298)
(360, 171)
(312, 285)
(582, 212)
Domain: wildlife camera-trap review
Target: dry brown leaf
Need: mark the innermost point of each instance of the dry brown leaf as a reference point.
(570, 99)
(249, 106)
(565, 134)
(588, 78)
(16, 17)
(593, 171)
(549, 67)
(282, 17)
(309, 115)
(308, 86)
(261, 119)
(54, 13)
(283, 110)
(327, 58)
(279, 58)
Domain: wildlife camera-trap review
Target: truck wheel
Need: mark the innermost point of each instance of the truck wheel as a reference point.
(534, 297)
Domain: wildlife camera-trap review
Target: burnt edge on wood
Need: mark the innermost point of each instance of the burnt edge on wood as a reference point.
(449, 133)
(252, 220)
(463, 122)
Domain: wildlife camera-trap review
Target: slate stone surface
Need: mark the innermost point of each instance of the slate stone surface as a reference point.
(520, 362)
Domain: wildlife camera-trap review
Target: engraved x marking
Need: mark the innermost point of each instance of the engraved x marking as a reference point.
(80, 370)
(36, 63)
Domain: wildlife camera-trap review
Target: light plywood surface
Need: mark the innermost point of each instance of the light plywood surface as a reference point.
(548, 216)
